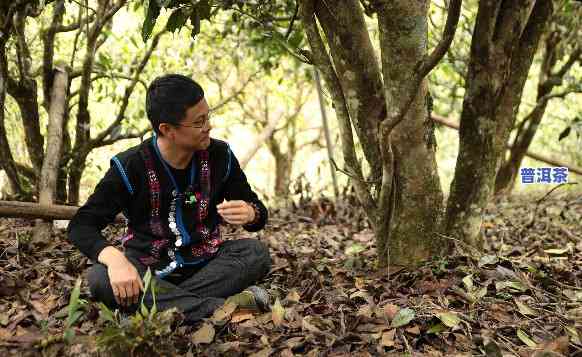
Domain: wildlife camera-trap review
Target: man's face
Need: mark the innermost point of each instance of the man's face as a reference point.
(193, 132)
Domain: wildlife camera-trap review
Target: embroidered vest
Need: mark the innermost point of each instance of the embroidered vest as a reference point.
(172, 242)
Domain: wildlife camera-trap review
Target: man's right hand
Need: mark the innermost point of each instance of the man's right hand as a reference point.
(123, 276)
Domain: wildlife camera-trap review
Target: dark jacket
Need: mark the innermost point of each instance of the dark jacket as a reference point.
(131, 195)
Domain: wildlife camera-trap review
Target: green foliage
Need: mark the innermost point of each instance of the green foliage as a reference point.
(75, 311)
(147, 332)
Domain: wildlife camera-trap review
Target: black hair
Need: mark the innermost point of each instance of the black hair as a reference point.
(169, 96)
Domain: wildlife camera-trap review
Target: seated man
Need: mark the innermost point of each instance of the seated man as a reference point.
(175, 189)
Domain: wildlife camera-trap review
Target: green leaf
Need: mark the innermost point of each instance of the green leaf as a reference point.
(450, 319)
(479, 294)
(68, 335)
(176, 20)
(525, 338)
(74, 303)
(573, 334)
(487, 260)
(147, 279)
(73, 318)
(557, 251)
(403, 317)
(515, 286)
(524, 309)
(144, 310)
(355, 249)
(437, 328)
(106, 313)
(149, 22)
(468, 281)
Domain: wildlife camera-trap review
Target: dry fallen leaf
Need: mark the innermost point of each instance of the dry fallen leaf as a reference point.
(241, 316)
(204, 335)
(415, 330)
(223, 314)
(388, 338)
(293, 296)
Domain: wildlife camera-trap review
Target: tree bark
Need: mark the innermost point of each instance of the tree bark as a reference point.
(15, 209)
(6, 158)
(410, 206)
(328, 144)
(526, 131)
(485, 122)
(357, 69)
(50, 167)
(406, 208)
(25, 94)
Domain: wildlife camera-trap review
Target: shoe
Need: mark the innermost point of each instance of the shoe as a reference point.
(253, 298)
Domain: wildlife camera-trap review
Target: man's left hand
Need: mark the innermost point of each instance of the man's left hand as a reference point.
(236, 212)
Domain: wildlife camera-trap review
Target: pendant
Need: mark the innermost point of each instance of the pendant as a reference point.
(191, 199)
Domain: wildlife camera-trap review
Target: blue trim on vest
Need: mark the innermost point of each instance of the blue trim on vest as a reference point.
(228, 163)
(186, 239)
(123, 174)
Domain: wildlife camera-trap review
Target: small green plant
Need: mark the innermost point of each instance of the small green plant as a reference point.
(145, 333)
(75, 310)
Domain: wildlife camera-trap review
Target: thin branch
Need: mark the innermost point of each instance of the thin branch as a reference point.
(290, 29)
(75, 25)
(235, 94)
(128, 91)
(323, 63)
(445, 43)
(574, 57)
(133, 135)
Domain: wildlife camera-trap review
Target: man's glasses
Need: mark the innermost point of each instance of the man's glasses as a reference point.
(198, 123)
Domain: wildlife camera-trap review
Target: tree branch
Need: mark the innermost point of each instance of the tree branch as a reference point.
(574, 57)
(113, 140)
(448, 34)
(75, 25)
(235, 94)
(128, 91)
(290, 29)
(48, 54)
(323, 63)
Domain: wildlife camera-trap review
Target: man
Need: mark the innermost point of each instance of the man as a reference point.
(175, 189)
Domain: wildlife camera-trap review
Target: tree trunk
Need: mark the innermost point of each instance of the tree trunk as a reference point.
(75, 174)
(6, 159)
(406, 210)
(526, 131)
(263, 136)
(17, 209)
(283, 167)
(485, 122)
(25, 95)
(50, 165)
(408, 236)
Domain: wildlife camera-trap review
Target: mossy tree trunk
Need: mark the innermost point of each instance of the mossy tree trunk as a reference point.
(494, 82)
(387, 107)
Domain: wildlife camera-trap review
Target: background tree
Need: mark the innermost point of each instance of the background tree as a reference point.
(22, 78)
(560, 51)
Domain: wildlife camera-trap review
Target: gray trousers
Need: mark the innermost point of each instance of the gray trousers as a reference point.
(197, 292)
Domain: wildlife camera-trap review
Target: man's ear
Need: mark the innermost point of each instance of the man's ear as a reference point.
(164, 129)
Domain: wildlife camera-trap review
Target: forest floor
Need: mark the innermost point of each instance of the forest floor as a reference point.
(521, 295)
